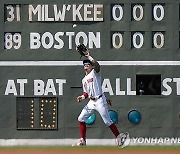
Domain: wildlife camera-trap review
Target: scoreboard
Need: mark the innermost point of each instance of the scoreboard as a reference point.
(136, 42)
(150, 28)
(40, 13)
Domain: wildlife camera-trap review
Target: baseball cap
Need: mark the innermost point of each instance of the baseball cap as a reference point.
(87, 61)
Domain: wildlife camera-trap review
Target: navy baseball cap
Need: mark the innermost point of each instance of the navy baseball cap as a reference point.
(87, 61)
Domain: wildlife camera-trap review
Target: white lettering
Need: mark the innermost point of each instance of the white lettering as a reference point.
(106, 87)
(168, 88)
(160, 141)
(94, 40)
(153, 140)
(43, 13)
(34, 11)
(135, 139)
(38, 87)
(47, 18)
(98, 12)
(10, 88)
(147, 140)
(87, 12)
(70, 35)
(47, 40)
(21, 83)
(41, 89)
(76, 13)
(118, 87)
(59, 15)
(140, 140)
(60, 83)
(129, 91)
(35, 41)
(83, 36)
(178, 140)
(177, 80)
(50, 88)
(59, 40)
(173, 140)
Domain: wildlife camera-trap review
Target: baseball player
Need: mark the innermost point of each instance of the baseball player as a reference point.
(92, 89)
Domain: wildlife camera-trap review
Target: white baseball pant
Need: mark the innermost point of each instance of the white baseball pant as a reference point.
(100, 105)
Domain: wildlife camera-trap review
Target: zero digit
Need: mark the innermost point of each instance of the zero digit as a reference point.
(159, 44)
(141, 12)
(117, 40)
(155, 14)
(115, 9)
(135, 37)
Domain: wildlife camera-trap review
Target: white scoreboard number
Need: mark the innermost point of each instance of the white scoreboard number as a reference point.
(12, 13)
(119, 16)
(138, 38)
(12, 40)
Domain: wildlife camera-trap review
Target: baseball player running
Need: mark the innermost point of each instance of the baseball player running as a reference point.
(92, 89)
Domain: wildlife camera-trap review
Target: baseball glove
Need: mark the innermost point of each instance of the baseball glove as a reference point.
(82, 49)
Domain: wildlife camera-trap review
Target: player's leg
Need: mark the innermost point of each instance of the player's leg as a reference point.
(84, 115)
(103, 111)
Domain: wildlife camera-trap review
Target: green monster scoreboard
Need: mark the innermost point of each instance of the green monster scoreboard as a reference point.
(136, 42)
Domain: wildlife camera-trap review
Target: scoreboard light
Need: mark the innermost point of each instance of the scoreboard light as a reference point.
(25, 112)
(41, 111)
(48, 120)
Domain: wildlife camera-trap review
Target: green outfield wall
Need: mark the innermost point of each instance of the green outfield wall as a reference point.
(137, 44)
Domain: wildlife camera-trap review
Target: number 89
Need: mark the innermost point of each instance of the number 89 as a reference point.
(12, 40)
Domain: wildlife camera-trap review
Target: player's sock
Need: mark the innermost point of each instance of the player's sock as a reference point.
(82, 129)
(114, 130)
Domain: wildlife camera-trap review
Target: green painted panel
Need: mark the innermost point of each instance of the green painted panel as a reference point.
(39, 59)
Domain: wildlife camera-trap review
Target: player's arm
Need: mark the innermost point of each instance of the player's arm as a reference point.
(94, 62)
(82, 97)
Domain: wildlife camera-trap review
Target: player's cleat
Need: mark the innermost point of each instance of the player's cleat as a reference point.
(82, 142)
(121, 139)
